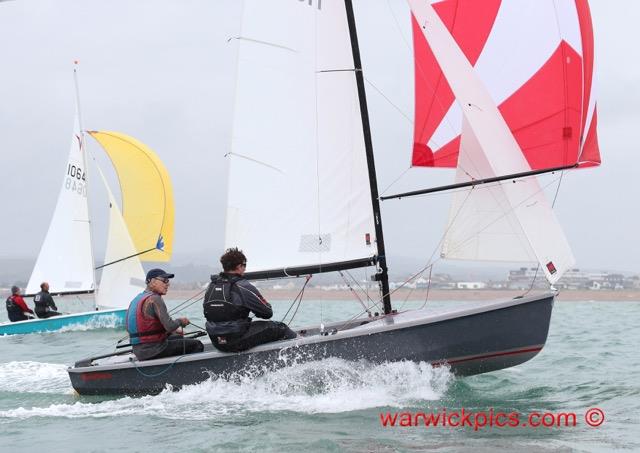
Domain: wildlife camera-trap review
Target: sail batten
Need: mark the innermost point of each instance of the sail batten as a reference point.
(298, 191)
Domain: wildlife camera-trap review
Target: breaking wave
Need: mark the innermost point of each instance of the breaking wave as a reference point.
(101, 322)
(34, 377)
(327, 386)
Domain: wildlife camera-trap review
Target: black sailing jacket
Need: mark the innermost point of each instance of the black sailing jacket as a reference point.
(228, 302)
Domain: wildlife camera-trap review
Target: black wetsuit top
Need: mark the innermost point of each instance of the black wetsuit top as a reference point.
(44, 303)
(228, 302)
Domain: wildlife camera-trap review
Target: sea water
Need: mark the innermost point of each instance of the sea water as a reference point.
(591, 361)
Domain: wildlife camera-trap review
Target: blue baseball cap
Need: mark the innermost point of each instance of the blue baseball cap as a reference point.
(158, 273)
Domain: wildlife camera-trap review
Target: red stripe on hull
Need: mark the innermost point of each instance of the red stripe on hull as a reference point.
(488, 356)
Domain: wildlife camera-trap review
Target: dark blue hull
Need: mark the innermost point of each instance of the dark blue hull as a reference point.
(470, 341)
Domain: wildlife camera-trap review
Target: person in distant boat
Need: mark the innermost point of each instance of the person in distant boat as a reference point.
(44, 304)
(17, 308)
(229, 300)
(152, 332)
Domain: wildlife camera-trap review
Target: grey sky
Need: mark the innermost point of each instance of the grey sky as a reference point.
(163, 72)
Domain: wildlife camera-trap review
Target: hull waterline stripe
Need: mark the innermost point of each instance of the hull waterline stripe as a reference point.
(488, 356)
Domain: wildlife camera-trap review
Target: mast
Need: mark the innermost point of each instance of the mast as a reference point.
(382, 276)
(83, 152)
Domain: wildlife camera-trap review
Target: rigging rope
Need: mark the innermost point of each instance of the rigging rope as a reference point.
(398, 109)
(364, 291)
(504, 214)
(384, 191)
(431, 262)
(298, 298)
(153, 375)
(182, 306)
(553, 204)
(197, 326)
(426, 298)
(429, 265)
(354, 293)
(422, 72)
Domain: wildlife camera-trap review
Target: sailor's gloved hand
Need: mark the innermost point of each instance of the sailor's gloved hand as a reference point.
(184, 322)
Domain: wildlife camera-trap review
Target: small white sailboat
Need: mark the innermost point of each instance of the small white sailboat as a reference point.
(302, 140)
(144, 232)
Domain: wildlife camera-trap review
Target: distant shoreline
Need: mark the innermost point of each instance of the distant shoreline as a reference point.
(439, 295)
(420, 295)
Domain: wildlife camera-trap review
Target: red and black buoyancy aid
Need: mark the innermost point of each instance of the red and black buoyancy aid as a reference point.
(142, 328)
(12, 307)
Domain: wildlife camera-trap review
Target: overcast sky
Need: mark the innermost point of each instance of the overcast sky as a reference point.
(163, 72)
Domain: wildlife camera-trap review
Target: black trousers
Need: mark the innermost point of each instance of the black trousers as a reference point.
(259, 332)
(13, 317)
(47, 314)
(178, 345)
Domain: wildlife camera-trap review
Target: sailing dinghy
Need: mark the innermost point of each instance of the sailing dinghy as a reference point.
(144, 232)
(302, 69)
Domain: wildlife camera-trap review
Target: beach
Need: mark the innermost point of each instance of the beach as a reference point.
(436, 295)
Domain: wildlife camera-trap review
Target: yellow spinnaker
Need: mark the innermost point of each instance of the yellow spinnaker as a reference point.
(147, 195)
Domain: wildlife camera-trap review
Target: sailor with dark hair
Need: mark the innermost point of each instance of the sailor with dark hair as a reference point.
(44, 304)
(17, 308)
(229, 300)
(152, 332)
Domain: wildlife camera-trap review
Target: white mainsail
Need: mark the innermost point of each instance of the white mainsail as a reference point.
(299, 190)
(65, 260)
(491, 147)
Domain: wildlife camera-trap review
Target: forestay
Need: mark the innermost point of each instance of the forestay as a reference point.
(65, 260)
(298, 190)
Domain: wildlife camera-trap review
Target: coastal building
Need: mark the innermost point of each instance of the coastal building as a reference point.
(471, 285)
(573, 279)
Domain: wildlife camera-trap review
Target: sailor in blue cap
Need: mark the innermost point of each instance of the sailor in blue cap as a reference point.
(152, 332)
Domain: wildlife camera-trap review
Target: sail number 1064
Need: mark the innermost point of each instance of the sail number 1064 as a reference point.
(76, 180)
